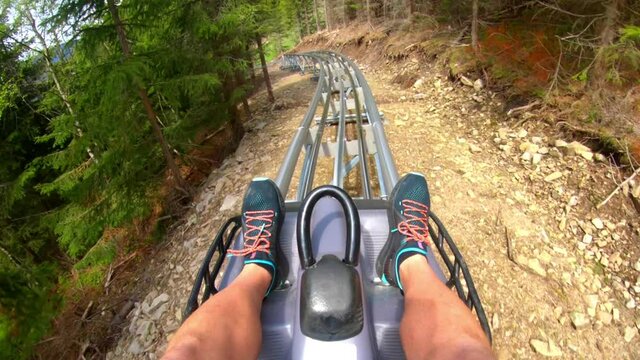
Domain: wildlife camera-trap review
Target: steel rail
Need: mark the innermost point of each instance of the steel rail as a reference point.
(283, 179)
(338, 165)
(382, 146)
(362, 143)
(388, 175)
(385, 166)
(306, 180)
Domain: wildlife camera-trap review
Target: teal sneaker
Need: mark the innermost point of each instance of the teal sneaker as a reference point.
(262, 218)
(408, 223)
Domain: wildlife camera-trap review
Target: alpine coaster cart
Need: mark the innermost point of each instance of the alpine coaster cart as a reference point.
(332, 308)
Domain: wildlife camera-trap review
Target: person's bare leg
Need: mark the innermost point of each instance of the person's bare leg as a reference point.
(227, 326)
(436, 324)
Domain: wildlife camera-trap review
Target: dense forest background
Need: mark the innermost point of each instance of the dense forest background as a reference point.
(103, 103)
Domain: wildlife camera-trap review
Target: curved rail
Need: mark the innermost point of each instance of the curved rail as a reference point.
(346, 98)
(339, 76)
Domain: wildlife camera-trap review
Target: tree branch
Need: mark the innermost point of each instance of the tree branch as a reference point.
(615, 191)
(558, 9)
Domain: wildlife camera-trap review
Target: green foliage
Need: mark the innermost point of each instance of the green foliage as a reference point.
(8, 94)
(583, 75)
(79, 155)
(27, 304)
(622, 58)
(630, 33)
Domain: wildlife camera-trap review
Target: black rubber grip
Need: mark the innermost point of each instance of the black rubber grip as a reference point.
(303, 229)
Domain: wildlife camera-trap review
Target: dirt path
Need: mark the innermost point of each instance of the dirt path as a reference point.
(548, 292)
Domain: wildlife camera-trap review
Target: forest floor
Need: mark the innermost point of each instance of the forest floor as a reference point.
(557, 277)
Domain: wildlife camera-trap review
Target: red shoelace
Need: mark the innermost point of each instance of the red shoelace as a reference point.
(256, 238)
(415, 227)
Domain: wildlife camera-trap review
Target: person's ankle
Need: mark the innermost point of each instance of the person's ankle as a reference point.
(414, 264)
(257, 272)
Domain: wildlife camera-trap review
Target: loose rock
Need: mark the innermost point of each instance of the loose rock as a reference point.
(576, 148)
(597, 222)
(466, 81)
(629, 333)
(229, 202)
(605, 317)
(631, 304)
(560, 143)
(553, 176)
(600, 157)
(534, 264)
(579, 320)
(474, 148)
(536, 159)
(546, 348)
(522, 133)
(478, 84)
(135, 347)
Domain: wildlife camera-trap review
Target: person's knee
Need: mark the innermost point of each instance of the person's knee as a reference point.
(466, 348)
(187, 347)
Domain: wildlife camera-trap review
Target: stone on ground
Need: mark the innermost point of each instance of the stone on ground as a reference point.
(546, 348)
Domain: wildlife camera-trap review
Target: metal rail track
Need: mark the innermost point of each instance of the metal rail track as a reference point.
(345, 98)
(338, 76)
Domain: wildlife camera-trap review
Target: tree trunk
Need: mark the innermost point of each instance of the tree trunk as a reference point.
(368, 9)
(252, 73)
(474, 26)
(245, 103)
(607, 37)
(306, 18)
(265, 71)
(608, 34)
(46, 54)
(327, 17)
(344, 13)
(146, 102)
(234, 118)
(384, 9)
(315, 14)
(410, 7)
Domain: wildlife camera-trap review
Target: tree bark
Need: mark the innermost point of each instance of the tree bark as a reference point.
(265, 71)
(474, 26)
(306, 18)
(234, 118)
(607, 37)
(327, 17)
(252, 73)
(245, 103)
(608, 34)
(410, 7)
(315, 14)
(384, 9)
(146, 102)
(46, 54)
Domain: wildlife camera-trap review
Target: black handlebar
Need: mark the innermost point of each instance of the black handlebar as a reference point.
(303, 230)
